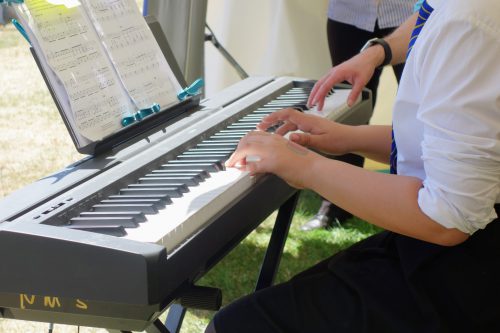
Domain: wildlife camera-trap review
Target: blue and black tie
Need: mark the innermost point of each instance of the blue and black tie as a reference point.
(423, 14)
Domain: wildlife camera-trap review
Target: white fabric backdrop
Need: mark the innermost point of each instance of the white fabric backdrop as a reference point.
(267, 37)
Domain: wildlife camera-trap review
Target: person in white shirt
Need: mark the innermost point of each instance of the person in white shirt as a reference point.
(435, 268)
(350, 25)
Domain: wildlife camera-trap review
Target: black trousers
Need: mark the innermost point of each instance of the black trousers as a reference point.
(386, 283)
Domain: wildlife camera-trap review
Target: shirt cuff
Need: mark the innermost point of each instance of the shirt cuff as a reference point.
(433, 203)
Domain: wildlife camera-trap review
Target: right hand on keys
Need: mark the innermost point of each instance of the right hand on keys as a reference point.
(357, 71)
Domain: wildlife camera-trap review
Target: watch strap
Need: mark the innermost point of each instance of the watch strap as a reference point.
(385, 45)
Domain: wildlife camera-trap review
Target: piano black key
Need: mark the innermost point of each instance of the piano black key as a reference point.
(253, 123)
(234, 131)
(212, 167)
(217, 164)
(199, 153)
(189, 181)
(157, 203)
(196, 178)
(111, 230)
(97, 211)
(209, 151)
(299, 96)
(256, 117)
(221, 141)
(266, 109)
(104, 221)
(217, 145)
(241, 126)
(164, 198)
(217, 150)
(138, 210)
(286, 102)
(182, 188)
(172, 192)
(298, 105)
(203, 173)
(227, 137)
(203, 156)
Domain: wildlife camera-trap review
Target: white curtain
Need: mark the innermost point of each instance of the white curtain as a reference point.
(267, 37)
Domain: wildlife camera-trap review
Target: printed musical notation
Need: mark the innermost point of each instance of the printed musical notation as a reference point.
(55, 22)
(107, 60)
(75, 53)
(96, 118)
(111, 10)
(134, 52)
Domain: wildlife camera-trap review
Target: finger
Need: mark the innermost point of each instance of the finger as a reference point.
(235, 160)
(302, 139)
(275, 118)
(319, 97)
(326, 86)
(314, 91)
(249, 163)
(248, 145)
(285, 128)
(270, 120)
(252, 164)
(354, 94)
(279, 118)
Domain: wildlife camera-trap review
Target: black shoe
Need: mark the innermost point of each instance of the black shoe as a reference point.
(319, 221)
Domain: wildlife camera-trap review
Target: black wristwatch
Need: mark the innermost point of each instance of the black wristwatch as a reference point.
(387, 49)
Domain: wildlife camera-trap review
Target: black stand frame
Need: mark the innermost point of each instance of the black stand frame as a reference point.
(269, 268)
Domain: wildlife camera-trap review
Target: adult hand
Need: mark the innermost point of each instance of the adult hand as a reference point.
(315, 132)
(261, 152)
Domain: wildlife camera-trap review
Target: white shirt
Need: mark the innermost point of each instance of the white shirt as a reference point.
(447, 114)
(363, 14)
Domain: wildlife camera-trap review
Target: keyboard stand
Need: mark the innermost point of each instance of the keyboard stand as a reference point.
(267, 273)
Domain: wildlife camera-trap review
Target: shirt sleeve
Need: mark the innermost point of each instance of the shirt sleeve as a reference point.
(459, 75)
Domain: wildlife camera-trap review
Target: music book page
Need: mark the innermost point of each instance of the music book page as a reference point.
(134, 52)
(102, 60)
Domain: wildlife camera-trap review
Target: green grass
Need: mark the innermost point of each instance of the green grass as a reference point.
(237, 273)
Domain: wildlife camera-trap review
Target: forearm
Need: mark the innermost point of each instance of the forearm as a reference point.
(389, 201)
(371, 141)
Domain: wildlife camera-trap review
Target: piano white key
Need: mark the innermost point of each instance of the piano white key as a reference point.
(178, 221)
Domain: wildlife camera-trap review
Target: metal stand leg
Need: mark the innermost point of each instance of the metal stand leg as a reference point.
(269, 267)
(175, 317)
(157, 327)
(274, 250)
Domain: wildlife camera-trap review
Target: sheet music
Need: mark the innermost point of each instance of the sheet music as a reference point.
(74, 52)
(132, 47)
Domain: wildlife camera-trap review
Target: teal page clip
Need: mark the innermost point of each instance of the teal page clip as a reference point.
(9, 2)
(21, 30)
(141, 114)
(192, 90)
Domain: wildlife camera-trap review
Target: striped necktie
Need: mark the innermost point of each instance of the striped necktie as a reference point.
(423, 15)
